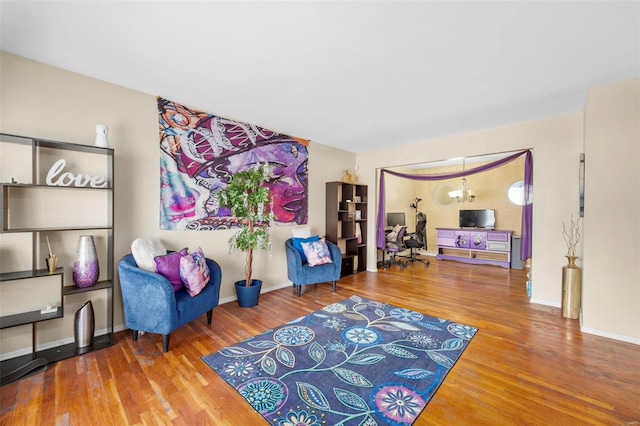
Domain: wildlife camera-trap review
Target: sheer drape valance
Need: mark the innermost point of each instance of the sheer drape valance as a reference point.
(527, 208)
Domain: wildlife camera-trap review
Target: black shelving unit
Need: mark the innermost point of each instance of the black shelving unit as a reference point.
(22, 366)
(346, 223)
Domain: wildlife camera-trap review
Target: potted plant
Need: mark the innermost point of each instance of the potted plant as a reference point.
(248, 198)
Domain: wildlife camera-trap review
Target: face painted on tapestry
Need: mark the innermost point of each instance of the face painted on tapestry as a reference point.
(206, 151)
(288, 177)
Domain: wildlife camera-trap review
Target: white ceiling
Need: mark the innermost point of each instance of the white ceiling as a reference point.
(357, 75)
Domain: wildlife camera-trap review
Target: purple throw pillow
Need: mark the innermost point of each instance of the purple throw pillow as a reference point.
(169, 267)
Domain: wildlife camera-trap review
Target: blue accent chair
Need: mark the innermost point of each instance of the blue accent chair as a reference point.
(151, 305)
(300, 273)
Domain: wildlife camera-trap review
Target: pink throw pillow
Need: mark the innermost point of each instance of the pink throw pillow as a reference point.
(169, 267)
(194, 272)
(317, 252)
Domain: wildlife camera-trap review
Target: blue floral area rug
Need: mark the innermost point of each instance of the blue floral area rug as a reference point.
(356, 362)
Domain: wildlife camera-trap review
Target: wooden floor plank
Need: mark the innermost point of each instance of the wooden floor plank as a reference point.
(526, 366)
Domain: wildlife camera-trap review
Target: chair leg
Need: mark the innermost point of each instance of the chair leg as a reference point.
(413, 257)
(165, 342)
(209, 315)
(334, 286)
(299, 290)
(393, 260)
(134, 334)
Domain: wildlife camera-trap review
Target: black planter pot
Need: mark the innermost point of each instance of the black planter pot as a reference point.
(248, 296)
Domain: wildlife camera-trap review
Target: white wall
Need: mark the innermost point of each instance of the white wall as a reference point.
(611, 276)
(47, 102)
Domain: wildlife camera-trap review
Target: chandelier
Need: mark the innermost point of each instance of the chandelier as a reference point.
(464, 194)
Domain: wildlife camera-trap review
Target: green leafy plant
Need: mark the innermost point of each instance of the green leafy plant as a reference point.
(249, 199)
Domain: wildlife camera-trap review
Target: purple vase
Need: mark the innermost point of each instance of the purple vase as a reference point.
(85, 268)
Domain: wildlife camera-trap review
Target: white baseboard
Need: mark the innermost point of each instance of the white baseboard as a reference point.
(608, 335)
(264, 290)
(587, 330)
(546, 303)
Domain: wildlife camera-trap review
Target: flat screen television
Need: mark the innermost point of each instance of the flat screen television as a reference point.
(478, 219)
(394, 219)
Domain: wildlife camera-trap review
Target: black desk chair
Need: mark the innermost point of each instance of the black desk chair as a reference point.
(393, 246)
(418, 240)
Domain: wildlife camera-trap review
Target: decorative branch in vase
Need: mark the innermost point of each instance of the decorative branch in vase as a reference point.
(571, 238)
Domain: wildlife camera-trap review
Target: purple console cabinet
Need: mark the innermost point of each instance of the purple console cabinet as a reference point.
(461, 239)
(478, 246)
(477, 240)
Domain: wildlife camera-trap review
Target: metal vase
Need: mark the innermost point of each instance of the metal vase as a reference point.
(571, 289)
(85, 268)
(84, 326)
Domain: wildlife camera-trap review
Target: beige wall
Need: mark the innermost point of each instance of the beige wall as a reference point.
(611, 282)
(611, 285)
(556, 143)
(42, 101)
(491, 193)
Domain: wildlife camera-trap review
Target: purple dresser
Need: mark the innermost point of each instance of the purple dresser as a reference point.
(479, 246)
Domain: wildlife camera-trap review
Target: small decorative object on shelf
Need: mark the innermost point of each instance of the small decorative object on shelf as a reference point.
(52, 260)
(84, 326)
(52, 263)
(85, 268)
(571, 274)
(56, 177)
(348, 177)
(101, 136)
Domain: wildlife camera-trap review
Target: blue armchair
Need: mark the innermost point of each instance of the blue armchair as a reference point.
(300, 273)
(152, 306)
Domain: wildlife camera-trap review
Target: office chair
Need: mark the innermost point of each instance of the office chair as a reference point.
(393, 247)
(418, 240)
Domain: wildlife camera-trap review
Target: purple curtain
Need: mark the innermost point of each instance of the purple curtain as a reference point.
(527, 209)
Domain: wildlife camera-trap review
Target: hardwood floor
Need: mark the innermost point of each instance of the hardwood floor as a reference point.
(526, 365)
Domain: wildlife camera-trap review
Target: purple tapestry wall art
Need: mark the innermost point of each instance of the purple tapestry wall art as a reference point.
(199, 154)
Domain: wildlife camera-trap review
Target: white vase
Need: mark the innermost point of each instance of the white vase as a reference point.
(101, 136)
